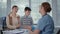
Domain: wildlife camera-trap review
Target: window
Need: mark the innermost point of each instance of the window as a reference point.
(2, 11)
(3, 7)
(35, 9)
(21, 4)
(33, 4)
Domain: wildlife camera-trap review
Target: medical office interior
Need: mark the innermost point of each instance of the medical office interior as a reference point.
(6, 5)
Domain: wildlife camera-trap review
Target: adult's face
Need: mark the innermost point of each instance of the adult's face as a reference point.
(15, 9)
(41, 10)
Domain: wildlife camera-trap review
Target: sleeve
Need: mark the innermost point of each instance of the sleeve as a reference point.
(19, 23)
(21, 20)
(31, 21)
(8, 25)
(49, 27)
(18, 19)
(41, 25)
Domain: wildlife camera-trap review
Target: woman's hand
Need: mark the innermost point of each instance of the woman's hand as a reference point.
(35, 32)
(18, 26)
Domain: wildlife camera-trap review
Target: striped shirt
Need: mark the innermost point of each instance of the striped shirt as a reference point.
(26, 20)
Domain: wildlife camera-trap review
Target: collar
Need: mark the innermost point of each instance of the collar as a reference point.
(44, 15)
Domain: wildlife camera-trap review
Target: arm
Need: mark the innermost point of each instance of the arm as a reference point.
(38, 29)
(18, 22)
(30, 27)
(31, 21)
(8, 24)
(35, 32)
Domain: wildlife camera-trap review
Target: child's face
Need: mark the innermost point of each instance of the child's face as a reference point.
(27, 12)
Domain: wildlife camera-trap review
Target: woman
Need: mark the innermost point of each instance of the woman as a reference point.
(45, 24)
(13, 20)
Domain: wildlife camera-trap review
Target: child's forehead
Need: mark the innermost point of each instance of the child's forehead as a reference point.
(27, 11)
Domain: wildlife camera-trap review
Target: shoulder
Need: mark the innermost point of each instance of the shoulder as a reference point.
(44, 19)
(47, 17)
(18, 15)
(8, 16)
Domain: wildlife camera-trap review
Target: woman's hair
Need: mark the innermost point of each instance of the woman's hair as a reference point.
(14, 6)
(46, 6)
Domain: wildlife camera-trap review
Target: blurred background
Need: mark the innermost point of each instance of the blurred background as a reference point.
(5, 9)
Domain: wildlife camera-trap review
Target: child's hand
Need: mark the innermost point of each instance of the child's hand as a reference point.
(29, 27)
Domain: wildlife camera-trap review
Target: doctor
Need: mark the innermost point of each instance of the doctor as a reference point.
(45, 24)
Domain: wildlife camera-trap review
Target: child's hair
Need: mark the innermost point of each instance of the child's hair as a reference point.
(27, 8)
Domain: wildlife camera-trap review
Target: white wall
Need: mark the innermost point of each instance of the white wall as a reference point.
(56, 13)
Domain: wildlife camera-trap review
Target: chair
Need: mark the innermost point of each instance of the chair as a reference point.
(4, 23)
(1, 24)
(58, 32)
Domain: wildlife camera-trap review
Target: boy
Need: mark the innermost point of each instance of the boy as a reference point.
(26, 20)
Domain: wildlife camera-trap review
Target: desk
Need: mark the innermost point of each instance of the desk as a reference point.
(17, 31)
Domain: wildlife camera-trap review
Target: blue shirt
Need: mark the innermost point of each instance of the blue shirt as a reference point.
(45, 25)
